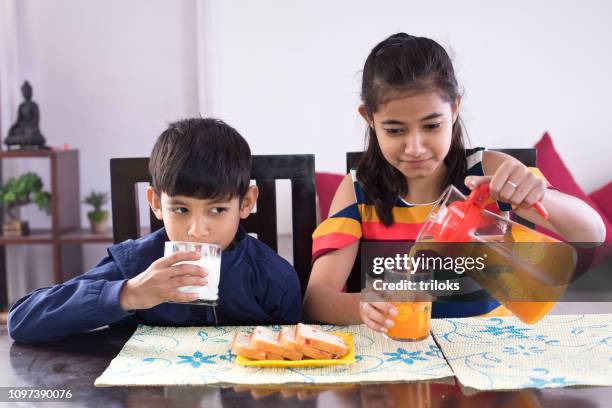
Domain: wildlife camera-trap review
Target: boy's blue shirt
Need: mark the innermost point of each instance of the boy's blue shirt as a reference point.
(257, 286)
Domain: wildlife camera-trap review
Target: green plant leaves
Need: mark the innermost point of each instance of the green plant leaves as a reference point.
(96, 199)
(97, 216)
(23, 190)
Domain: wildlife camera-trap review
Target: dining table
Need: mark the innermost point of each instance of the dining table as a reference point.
(74, 363)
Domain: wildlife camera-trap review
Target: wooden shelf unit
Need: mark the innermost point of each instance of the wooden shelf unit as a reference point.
(65, 235)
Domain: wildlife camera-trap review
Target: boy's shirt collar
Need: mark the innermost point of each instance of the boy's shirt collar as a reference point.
(234, 253)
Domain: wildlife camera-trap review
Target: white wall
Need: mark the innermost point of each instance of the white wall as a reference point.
(108, 75)
(287, 74)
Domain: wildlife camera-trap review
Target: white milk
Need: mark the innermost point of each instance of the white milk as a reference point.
(211, 290)
(210, 261)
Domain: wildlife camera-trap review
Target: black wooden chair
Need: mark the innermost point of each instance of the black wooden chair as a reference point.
(266, 169)
(525, 156)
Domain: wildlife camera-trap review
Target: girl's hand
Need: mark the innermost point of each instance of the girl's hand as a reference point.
(377, 315)
(512, 183)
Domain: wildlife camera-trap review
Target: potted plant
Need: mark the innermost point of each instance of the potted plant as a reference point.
(98, 218)
(18, 192)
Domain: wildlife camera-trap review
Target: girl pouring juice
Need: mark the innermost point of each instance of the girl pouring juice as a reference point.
(415, 150)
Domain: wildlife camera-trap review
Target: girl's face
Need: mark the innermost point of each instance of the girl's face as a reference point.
(414, 132)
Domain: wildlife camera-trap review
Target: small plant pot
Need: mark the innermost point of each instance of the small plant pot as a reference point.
(16, 228)
(98, 221)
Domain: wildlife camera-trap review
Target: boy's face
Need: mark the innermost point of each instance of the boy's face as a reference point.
(200, 220)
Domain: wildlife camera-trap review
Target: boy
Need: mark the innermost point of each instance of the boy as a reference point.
(200, 170)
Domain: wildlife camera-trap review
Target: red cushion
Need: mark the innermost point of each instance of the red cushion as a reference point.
(603, 199)
(553, 168)
(550, 164)
(326, 186)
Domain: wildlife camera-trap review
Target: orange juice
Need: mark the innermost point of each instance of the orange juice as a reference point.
(521, 286)
(411, 322)
(558, 260)
(530, 312)
(540, 268)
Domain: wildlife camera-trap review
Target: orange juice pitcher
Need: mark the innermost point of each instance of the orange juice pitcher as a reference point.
(523, 269)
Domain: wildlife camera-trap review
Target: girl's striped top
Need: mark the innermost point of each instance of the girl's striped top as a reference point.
(359, 222)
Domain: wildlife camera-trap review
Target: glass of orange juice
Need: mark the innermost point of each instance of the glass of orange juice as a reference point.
(410, 296)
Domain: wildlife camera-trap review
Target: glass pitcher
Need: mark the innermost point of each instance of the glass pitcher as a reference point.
(523, 269)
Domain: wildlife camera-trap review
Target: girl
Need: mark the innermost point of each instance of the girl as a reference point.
(410, 102)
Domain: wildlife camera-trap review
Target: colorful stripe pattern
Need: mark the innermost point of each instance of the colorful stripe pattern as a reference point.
(338, 231)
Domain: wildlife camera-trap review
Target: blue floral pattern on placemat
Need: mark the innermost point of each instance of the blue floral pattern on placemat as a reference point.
(504, 353)
(202, 355)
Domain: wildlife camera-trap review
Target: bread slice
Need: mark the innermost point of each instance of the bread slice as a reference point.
(287, 338)
(241, 346)
(272, 356)
(318, 339)
(267, 340)
(314, 353)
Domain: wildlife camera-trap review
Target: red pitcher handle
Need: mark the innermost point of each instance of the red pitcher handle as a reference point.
(481, 193)
(539, 207)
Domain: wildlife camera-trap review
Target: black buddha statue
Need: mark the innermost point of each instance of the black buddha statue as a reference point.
(25, 134)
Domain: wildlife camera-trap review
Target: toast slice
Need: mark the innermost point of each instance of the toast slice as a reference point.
(272, 356)
(287, 338)
(315, 353)
(318, 339)
(241, 346)
(267, 340)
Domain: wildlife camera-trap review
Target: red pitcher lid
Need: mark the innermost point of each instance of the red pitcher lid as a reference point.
(462, 217)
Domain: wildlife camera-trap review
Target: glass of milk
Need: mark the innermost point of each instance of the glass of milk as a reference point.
(210, 260)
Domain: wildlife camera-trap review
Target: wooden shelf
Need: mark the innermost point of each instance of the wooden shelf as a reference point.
(83, 236)
(17, 154)
(37, 236)
(66, 258)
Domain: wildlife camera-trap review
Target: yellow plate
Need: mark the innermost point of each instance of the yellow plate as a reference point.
(349, 358)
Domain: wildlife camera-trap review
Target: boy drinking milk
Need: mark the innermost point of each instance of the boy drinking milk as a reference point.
(200, 171)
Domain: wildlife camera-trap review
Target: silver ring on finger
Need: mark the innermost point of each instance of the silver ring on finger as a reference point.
(514, 185)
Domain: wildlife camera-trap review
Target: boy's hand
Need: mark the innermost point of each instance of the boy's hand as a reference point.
(512, 183)
(377, 315)
(159, 282)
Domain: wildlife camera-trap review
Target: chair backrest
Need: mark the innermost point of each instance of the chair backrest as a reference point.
(525, 156)
(266, 169)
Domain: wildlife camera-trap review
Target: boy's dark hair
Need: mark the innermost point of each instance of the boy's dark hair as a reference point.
(202, 158)
(400, 65)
